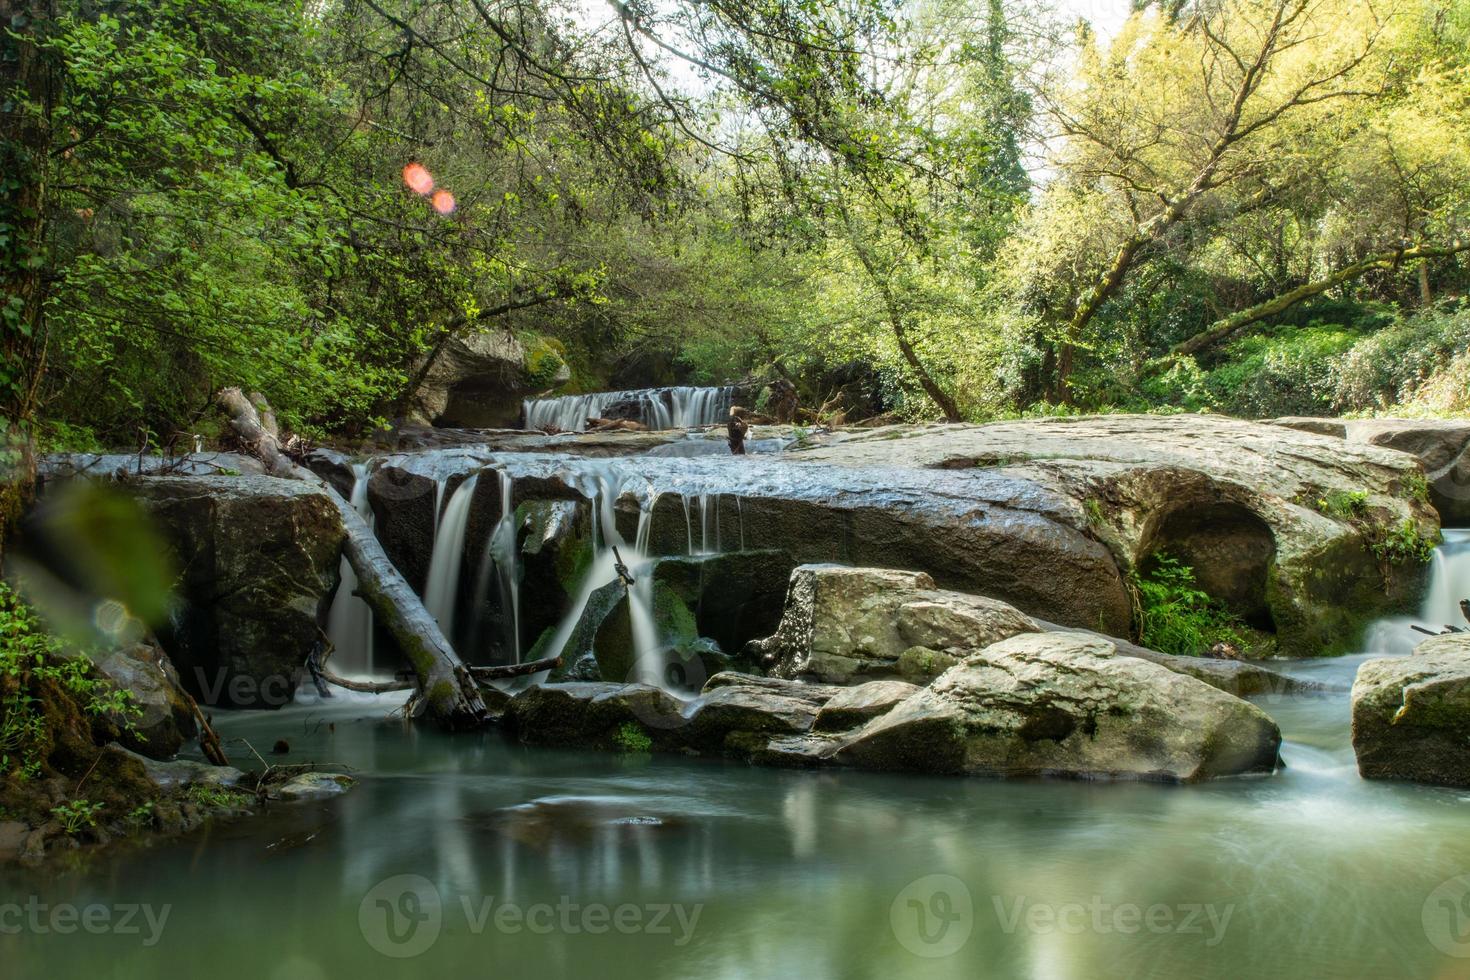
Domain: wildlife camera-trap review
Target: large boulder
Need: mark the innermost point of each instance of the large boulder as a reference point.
(843, 623)
(1411, 715)
(260, 558)
(1049, 516)
(1442, 447)
(1059, 704)
(478, 381)
(1241, 502)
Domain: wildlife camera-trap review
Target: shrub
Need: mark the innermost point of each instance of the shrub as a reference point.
(30, 656)
(631, 737)
(1176, 616)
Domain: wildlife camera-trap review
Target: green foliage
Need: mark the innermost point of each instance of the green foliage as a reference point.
(30, 658)
(1389, 366)
(1404, 543)
(630, 737)
(1345, 505)
(217, 797)
(76, 815)
(545, 359)
(1176, 616)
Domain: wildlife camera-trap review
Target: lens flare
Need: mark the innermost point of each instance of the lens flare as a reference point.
(418, 178)
(443, 202)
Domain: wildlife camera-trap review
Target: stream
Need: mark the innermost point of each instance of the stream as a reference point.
(473, 856)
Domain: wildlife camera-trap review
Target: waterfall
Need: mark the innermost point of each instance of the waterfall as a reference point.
(658, 408)
(443, 585)
(502, 558)
(1449, 582)
(605, 486)
(350, 620)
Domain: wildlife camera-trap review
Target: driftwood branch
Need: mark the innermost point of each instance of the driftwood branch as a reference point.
(445, 685)
(514, 670)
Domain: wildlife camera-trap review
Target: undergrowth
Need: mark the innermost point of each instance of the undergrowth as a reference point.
(1176, 615)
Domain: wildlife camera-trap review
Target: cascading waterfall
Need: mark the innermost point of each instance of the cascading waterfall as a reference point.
(350, 620)
(659, 408)
(1449, 582)
(502, 560)
(443, 584)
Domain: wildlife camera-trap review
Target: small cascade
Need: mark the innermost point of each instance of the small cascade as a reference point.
(501, 560)
(658, 408)
(1449, 582)
(350, 620)
(603, 486)
(443, 585)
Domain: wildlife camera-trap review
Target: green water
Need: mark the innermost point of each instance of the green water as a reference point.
(1310, 873)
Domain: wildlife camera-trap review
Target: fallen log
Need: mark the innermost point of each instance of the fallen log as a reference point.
(514, 670)
(447, 691)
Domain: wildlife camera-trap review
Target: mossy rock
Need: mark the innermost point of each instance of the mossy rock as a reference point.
(673, 624)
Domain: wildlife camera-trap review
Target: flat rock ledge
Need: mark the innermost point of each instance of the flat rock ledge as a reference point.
(1411, 715)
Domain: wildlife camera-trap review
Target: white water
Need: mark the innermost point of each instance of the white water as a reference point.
(443, 585)
(501, 559)
(350, 620)
(603, 484)
(1449, 582)
(661, 408)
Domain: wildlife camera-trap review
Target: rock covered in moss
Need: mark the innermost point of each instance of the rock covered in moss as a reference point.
(1063, 704)
(841, 623)
(1411, 715)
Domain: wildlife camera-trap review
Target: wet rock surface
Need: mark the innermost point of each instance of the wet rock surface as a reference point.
(1411, 715)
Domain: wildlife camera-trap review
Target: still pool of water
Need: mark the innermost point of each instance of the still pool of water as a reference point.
(548, 863)
(469, 856)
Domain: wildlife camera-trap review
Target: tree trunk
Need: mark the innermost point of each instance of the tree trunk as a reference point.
(30, 81)
(1223, 328)
(446, 686)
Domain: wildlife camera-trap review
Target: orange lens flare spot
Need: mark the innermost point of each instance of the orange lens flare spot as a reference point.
(418, 178)
(443, 202)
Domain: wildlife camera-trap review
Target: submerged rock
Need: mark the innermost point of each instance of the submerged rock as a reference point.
(260, 559)
(311, 786)
(1059, 704)
(1411, 715)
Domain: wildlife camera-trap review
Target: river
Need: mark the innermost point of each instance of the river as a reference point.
(469, 856)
